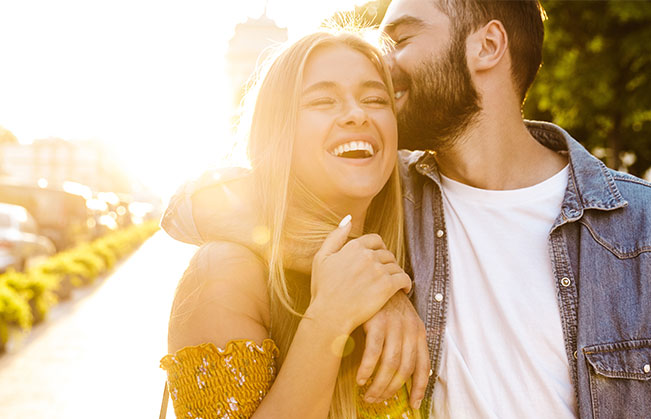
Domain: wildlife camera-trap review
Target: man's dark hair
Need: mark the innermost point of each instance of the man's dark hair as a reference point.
(523, 21)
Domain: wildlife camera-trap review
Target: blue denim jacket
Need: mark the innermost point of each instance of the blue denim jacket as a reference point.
(600, 250)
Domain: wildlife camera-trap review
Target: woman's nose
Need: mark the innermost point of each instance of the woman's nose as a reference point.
(354, 115)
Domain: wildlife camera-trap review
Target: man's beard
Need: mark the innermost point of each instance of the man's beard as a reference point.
(442, 101)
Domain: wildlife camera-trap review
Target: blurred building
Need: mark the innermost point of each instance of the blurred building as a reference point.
(56, 161)
(246, 49)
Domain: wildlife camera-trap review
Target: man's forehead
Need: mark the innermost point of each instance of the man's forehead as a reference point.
(410, 12)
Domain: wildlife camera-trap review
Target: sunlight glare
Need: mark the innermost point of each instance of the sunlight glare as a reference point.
(144, 77)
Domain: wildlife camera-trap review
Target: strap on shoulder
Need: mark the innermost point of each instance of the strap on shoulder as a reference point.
(163, 407)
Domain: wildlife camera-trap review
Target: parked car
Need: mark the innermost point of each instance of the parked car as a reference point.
(20, 242)
(61, 216)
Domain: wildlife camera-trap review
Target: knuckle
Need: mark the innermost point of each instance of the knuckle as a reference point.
(405, 370)
(393, 360)
(389, 255)
(354, 245)
(376, 342)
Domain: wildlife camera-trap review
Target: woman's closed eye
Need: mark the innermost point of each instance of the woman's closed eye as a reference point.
(375, 100)
(321, 102)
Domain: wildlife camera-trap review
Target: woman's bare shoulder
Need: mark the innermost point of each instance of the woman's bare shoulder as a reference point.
(222, 296)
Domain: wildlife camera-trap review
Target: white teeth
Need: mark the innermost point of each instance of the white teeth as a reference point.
(399, 94)
(353, 146)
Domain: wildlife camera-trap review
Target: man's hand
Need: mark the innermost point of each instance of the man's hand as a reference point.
(395, 336)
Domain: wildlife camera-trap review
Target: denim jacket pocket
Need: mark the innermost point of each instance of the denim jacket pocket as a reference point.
(620, 378)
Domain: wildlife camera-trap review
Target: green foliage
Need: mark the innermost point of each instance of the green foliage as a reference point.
(14, 311)
(596, 78)
(36, 289)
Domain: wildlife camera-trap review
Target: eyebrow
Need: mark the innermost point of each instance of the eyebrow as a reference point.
(321, 85)
(325, 85)
(404, 21)
(374, 84)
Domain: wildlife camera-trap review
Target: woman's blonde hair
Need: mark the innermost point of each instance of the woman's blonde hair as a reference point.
(297, 220)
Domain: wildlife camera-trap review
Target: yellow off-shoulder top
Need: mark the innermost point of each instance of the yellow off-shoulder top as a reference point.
(208, 382)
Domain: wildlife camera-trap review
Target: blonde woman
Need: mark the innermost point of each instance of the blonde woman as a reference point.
(251, 337)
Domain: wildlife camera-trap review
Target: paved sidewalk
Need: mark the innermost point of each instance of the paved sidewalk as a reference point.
(97, 356)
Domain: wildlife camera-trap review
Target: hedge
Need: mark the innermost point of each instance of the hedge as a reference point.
(26, 297)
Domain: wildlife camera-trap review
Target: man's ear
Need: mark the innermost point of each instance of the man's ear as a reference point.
(487, 46)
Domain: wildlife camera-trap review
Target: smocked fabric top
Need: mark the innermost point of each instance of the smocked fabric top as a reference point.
(205, 381)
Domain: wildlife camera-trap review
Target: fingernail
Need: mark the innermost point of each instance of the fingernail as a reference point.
(361, 381)
(369, 399)
(418, 402)
(345, 221)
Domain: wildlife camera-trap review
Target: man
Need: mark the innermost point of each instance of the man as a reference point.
(531, 260)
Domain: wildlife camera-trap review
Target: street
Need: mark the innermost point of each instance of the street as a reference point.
(97, 356)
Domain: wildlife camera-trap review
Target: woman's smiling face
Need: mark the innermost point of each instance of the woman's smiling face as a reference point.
(346, 137)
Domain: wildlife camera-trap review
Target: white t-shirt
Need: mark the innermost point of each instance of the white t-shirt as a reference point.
(503, 350)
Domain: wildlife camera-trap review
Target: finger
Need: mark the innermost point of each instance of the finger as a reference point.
(337, 238)
(370, 241)
(421, 373)
(384, 256)
(389, 363)
(400, 281)
(406, 369)
(372, 352)
(392, 268)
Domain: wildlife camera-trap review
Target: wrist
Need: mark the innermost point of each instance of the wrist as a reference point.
(327, 319)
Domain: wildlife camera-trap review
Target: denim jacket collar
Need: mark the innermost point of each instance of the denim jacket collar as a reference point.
(590, 186)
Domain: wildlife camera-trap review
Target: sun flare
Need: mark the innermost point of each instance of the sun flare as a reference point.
(147, 79)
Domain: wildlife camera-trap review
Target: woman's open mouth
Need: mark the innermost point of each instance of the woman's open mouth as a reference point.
(354, 150)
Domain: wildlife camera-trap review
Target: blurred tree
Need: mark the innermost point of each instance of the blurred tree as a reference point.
(596, 77)
(7, 137)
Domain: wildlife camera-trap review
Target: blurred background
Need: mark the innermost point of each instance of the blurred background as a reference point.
(106, 108)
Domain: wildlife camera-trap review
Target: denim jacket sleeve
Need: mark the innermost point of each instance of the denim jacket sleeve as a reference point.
(178, 220)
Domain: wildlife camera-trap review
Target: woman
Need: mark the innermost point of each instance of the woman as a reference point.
(322, 145)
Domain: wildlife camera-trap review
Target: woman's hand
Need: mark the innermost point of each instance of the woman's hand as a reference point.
(352, 281)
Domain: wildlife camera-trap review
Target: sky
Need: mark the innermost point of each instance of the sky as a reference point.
(145, 77)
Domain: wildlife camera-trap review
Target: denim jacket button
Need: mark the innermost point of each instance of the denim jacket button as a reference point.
(647, 368)
(438, 297)
(424, 167)
(439, 233)
(565, 282)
